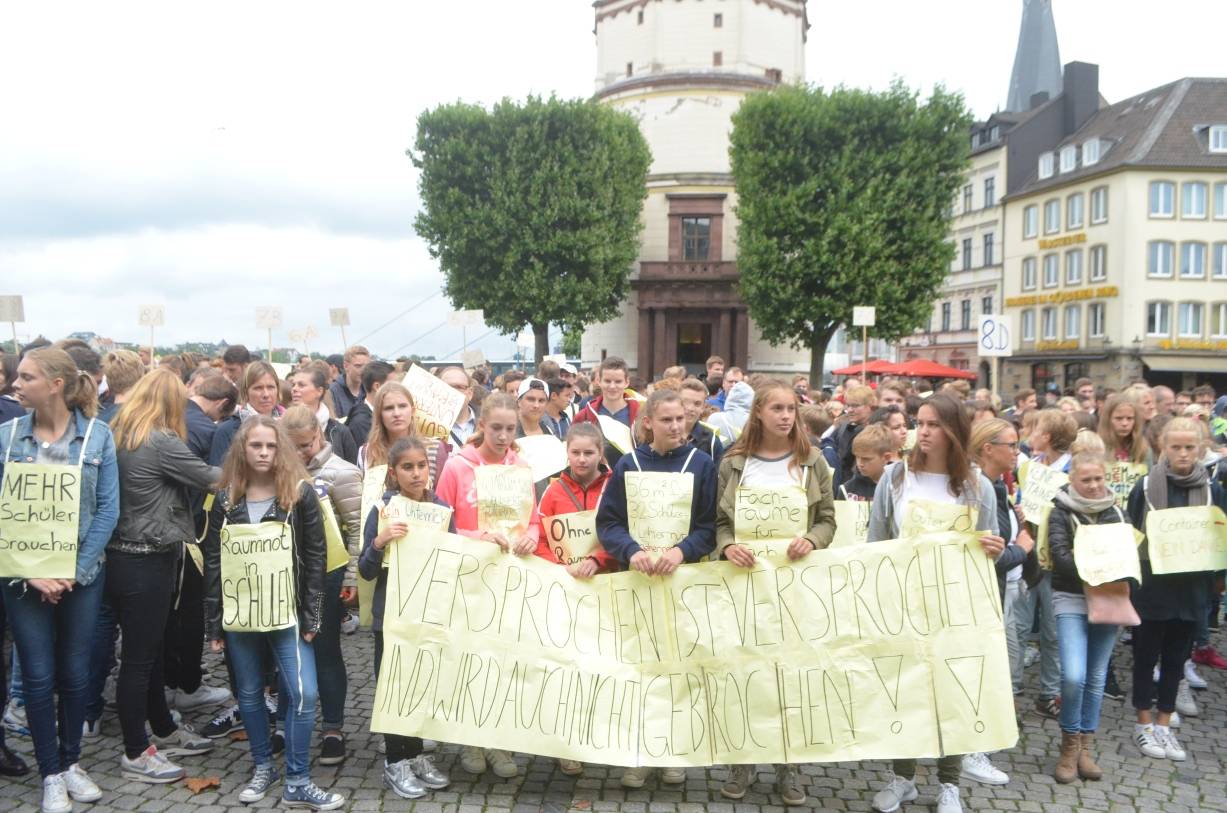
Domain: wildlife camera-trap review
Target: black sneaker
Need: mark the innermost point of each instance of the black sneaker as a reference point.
(221, 725)
(332, 750)
(1049, 707)
(278, 743)
(1112, 689)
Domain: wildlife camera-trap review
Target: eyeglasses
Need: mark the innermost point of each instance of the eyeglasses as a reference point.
(1003, 443)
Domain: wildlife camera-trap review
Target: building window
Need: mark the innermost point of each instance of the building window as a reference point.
(1099, 263)
(775, 75)
(717, 58)
(990, 192)
(1028, 274)
(696, 238)
(965, 315)
(1159, 319)
(1162, 257)
(1190, 319)
(1218, 138)
(1052, 270)
(1193, 203)
(1028, 326)
(1069, 158)
(1052, 216)
(967, 199)
(986, 305)
(1220, 201)
(1193, 260)
(640, 16)
(718, 21)
(945, 317)
(1073, 321)
(1075, 211)
(1031, 221)
(1095, 319)
(966, 253)
(1220, 260)
(1046, 162)
(1162, 198)
(988, 249)
(630, 68)
(1048, 320)
(1073, 267)
(1099, 205)
(994, 133)
(1090, 152)
(1218, 320)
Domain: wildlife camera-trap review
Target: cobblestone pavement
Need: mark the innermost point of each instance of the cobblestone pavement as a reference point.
(1132, 782)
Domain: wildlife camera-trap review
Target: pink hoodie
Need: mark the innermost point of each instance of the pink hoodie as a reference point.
(457, 487)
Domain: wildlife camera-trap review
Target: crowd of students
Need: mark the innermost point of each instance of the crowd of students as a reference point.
(175, 459)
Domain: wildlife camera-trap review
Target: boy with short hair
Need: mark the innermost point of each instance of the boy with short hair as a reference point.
(612, 377)
(873, 449)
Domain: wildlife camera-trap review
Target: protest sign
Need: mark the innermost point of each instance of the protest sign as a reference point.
(417, 515)
(545, 454)
(572, 536)
(1121, 478)
(1187, 540)
(1107, 553)
(767, 520)
(338, 554)
(40, 519)
(504, 499)
(889, 650)
(658, 508)
(257, 564)
(617, 433)
(851, 522)
(435, 404)
(928, 516)
(1039, 485)
(374, 483)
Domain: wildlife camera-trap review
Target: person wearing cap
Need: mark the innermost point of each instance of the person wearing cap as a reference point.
(532, 396)
(569, 374)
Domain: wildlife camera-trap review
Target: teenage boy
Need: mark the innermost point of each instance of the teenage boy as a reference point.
(873, 449)
(694, 398)
(531, 396)
(374, 374)
(347, 390)
(557, 418)
(859, 403)
(613, 377)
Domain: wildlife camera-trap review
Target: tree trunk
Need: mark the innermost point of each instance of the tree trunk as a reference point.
(541, 333)
(817, 353)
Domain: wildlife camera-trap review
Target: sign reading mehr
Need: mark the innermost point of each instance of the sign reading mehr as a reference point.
(39, 520)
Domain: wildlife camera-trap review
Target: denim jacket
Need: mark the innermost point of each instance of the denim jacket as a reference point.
(99, 510)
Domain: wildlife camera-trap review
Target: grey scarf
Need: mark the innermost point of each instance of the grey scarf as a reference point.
(1070, 499)
(1197, 482)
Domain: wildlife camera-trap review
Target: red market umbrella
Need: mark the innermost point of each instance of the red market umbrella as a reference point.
(924, 368)
(876, 367)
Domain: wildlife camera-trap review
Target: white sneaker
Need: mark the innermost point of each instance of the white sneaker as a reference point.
(80, 787)
(15, 718)
(1184, 700)
(1030, 656)
(91, 729)
(897, 791)
(1191, 676)
(203, 696)
(430, 746)
(1175, 722)
(977, 768)
(1147, 741)
(1171, 747)
(948, 799)
(55, 795)
(150, 767)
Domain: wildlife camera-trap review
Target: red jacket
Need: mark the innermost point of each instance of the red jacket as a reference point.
(561, 498)
(592, 409)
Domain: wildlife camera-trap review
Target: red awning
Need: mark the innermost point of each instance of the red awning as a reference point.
(924, 368)
(876, 367)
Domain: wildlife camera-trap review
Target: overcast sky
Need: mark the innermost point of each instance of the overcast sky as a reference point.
(252, 153)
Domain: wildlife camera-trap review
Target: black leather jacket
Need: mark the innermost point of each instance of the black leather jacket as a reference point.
(310, 557)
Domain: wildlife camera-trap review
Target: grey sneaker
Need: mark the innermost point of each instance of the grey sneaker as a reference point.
(427, 773)
(183, 742)
(739, 779)
(400, 778)
(150, 767)
(789, 782)
(264, 777)
(311, 796)
(897, 791)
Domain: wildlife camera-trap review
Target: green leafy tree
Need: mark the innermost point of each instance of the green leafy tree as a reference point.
(532, 209)
(842, 201)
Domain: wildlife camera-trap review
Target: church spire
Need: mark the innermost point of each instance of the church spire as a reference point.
(1037, 62)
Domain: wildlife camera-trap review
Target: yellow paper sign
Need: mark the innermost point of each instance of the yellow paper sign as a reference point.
(1107, 553)
(546, 455)
(338, 555)
(929, 516)
(910, 443)
(40, 519)
(767, 520)
(257, 566)
(617, 433)
(658, 508)
(1187, 540)
(435, 404)
(851, 522)
(1121, 479)
(419, 515)
(504, 499)
(1039, 484)
(890, 650)
(374, 483)
(572, 536)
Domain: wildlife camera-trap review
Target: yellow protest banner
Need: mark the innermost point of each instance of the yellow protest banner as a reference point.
(257, 564)
(877, 651)
(435, 404)
(1038, 485)
(929, 516)
(572, 536)
(851, 522)
(338, 554)
(1121, 478)
(617, 433)
(1187, 540)
(40, 518)
(767, 520)
(546, 455)
(419, 515)
(1107, 553)
(504, 499)
(658, 508)
(374, 483)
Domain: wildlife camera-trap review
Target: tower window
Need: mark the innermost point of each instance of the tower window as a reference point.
(717, 20)
(717, 58)
(640, 16)
(775, 75)
(630, 68)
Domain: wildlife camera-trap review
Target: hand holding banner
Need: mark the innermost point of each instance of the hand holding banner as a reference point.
(572, 536)
(767, 520)
(658, 508)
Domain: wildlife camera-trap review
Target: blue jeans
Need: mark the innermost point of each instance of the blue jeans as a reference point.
(101, 660)
(329, 662)
(1085, 651)
(296, 661)
(1040, 597)
(53, 641)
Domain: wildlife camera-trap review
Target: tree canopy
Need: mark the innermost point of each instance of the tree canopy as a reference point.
(842, 201)
(532, 209)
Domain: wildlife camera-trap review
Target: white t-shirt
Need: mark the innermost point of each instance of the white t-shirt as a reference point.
(761, 472)
(923, 485)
